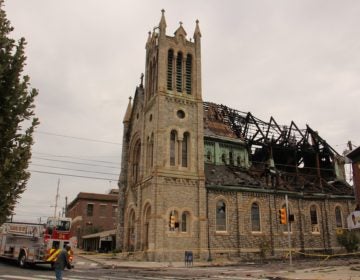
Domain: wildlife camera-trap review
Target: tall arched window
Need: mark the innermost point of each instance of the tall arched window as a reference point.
(170, 70)
(223, 158)
(151, 79)
(136, 162)
(179, 72)
(154, 79)
(255, 217)
(173, 139)
(152, 150)
(185, 150)
(314, 219)
(220, 216)
(131, 231)
(188, 72)
(184, 221)
(338, 217)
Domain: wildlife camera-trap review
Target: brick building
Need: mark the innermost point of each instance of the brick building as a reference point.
(207, 178)
(355, 162)
(92, 213)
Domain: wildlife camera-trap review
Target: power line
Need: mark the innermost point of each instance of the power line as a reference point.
(78, 138)
(74, 162)
(71, 175)
(81, 170)
(73, 157)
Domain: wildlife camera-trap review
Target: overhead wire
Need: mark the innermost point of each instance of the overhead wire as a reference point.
(74, 162)
(73, 157)
(77, 138)
(71, 169)
(72, 175)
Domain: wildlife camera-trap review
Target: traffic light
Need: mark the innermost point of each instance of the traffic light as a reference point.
(172, 221)
(282, 216)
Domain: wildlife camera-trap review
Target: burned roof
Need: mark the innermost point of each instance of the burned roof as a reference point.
(234, 178)
(303, 161)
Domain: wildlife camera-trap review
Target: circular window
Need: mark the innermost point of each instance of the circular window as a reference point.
(150, 118)
(180, 114)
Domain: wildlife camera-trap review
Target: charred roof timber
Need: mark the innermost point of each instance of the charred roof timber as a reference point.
(299, 158)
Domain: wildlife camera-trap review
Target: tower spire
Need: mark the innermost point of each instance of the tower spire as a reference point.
(197, 33)
(162, 24)
(128, 112)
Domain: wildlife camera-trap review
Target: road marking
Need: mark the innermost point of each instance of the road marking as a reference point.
(80, 263)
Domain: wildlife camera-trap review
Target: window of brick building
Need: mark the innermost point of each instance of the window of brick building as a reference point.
(255, 217)
(184, 221)
(90, 210)
(114, 210)
(185, 152)
(220, 216)
(102, 210)
(173, 139)
(338, 217)
(314, 219)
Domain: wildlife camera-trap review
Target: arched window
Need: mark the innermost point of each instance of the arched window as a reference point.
(173, 139)
(179, 72)
(314, 219)
(136, 162)
(170, 70)
(208, 156)
(152, 150)
(223, 158)
(184, 221)
(338, 217)
(154, 80)
(220, 216)
(131, 231)
(185, 151)
(188, 73)
(151, 79)
(255, 217)
(231, 158)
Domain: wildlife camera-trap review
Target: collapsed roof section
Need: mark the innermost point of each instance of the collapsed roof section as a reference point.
(276, 152)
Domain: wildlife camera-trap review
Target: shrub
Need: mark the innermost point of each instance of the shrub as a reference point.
(349, 240)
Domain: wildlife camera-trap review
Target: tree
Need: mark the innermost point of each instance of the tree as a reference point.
(17, 121)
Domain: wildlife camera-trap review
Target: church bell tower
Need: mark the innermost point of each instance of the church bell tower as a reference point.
(164, 204)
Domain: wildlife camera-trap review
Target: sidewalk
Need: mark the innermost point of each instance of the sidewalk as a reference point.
(307, 270)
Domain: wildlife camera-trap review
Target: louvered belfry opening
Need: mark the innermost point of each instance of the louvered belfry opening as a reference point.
(188, 72)
(170, 69)
(179, 72)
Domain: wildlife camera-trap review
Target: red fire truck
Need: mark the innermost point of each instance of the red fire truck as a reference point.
(35, 243)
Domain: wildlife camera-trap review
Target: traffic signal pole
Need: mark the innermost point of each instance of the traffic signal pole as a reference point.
(288, 228)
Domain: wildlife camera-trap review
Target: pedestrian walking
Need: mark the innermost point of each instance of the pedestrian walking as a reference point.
(61, 262)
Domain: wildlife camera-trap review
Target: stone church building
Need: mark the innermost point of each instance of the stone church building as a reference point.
(202, 177)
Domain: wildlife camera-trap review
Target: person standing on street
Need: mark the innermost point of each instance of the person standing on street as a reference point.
(61, 262)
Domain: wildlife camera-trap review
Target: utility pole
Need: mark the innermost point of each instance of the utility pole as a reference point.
(56, 197)
(288, 228)
(66, 205)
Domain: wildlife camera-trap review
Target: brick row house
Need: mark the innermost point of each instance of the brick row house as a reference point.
(92, 213)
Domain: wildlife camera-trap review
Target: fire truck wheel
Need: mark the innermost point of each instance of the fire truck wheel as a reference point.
(22, 259)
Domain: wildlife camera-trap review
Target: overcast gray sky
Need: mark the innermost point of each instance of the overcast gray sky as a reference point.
(293, 60)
